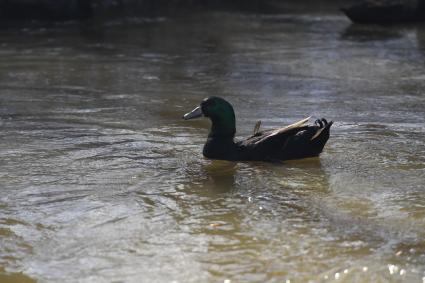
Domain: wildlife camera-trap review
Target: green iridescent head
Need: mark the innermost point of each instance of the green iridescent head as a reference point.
(221, 114)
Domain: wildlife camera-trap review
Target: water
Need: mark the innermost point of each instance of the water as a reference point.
(102, 181)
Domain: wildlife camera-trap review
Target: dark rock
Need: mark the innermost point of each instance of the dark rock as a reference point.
(386, 12)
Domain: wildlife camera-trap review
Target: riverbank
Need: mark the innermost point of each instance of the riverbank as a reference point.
(62, 10)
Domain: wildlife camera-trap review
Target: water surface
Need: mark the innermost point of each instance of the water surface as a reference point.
(101, 180)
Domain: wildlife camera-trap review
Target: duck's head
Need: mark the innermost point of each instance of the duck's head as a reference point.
(221, 114)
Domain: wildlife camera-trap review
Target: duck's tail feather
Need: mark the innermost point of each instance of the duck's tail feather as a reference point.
(319, 139)
(257, 127)
(324, 129)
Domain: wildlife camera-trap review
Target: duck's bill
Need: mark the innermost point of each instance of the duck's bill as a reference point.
(195, 113)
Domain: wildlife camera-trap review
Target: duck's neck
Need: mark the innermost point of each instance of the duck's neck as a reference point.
(223, 127)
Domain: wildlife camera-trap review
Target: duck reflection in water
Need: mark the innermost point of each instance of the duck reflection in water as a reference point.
(294, 176)
(220, 176)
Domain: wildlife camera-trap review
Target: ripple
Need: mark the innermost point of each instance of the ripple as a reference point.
(99, 172)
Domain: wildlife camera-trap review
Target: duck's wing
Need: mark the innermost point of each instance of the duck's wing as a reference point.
(262, 137)
(269, 144)
(300, 125)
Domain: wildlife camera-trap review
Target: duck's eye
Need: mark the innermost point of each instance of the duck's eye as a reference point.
(208, 103)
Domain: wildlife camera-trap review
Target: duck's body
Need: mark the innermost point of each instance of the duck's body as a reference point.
(292, 142)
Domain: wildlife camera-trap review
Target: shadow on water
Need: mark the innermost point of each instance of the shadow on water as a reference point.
(420, 37)
(364, 33)
(395, 38)
(382, 33)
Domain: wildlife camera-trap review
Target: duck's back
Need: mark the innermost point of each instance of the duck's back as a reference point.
(292, 143)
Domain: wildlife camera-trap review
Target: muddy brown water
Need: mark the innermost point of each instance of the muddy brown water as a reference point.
(102, 181)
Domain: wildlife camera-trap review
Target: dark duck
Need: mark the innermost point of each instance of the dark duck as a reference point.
(295, 141)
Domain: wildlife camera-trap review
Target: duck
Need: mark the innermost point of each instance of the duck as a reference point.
(296, 141)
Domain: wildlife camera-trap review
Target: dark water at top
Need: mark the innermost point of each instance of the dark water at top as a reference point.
(101, 180)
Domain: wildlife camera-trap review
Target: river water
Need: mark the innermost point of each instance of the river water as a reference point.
(102, 181)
